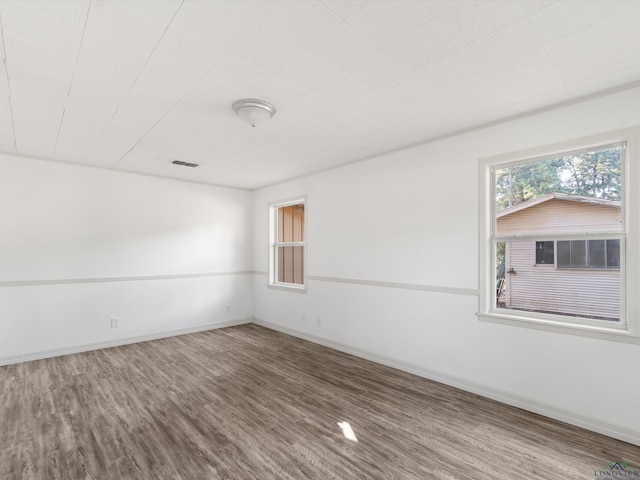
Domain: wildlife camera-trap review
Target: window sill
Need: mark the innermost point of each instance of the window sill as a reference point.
(288, 287)
(603, 333)
(588, 269)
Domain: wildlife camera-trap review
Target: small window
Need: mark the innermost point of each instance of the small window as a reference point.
(545, 253)
(287, 257)
(595, 253)
(613, 254)
(564, 255)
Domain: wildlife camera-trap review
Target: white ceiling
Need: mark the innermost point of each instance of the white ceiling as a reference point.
(133, 85)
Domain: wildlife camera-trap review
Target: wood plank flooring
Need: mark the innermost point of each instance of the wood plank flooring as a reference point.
(250, 403)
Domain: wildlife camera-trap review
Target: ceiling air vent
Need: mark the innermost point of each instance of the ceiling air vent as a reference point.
(184, 164)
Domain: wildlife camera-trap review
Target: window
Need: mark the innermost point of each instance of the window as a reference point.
(545, 253)
(287, 255)
(579, 253)
(589, 254)
(556, 237)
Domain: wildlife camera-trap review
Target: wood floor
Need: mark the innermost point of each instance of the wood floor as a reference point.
(250, 403)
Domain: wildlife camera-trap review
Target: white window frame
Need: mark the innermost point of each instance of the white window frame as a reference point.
(274, 245)
(628, 328)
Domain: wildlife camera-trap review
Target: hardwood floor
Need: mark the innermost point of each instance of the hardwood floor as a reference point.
(250, 403)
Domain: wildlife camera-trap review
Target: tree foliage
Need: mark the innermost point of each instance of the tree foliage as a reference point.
(592, 174)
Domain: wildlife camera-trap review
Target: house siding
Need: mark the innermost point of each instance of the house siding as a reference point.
(560, 216)
(583, 292)
(545, 288)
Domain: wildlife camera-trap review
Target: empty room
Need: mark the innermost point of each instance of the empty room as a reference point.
(319, 239)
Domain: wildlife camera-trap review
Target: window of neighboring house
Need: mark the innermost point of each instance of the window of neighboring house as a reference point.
(537, 210)
(579, 253)
(287, 253)
(589, 254)
(545, 253)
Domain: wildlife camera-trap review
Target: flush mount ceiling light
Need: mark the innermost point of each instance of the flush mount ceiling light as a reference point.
(253, 111)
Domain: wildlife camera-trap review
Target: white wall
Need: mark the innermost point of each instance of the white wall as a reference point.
(79, 245)
(411, 217)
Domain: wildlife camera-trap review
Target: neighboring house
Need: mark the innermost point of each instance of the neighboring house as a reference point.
(580, 277)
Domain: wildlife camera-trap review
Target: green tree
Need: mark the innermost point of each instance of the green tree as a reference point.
(520, 183)
(592, 174)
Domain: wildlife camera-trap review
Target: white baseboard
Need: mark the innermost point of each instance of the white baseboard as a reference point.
(609, 429)
(122, 341)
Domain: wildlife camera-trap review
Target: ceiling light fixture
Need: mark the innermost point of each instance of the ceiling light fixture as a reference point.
(253, 111)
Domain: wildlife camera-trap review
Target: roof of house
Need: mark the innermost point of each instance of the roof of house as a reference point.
(558, 196)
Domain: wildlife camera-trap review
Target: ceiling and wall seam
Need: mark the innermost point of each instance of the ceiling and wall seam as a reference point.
(154, 81)
(568, 103)
(125, 172)
(612, 91)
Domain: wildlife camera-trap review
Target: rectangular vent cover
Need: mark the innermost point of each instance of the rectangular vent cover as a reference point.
(184, 164)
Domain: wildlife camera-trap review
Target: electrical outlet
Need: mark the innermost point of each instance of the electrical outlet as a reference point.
(303, 317)
(228, 308)
(318, 321)
(115, 322)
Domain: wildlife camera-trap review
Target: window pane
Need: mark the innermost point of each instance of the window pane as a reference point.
(613, 253)
(585, 293)
(597, 258)
(560, 195)
(544, 253)
(564, 254)
(568, 196)
(578, 254)
(291, 265)
(291, 223)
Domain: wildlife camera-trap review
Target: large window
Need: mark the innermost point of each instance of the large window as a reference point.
(579, 253)
(593, 254)
(287, 255)
(556, 236)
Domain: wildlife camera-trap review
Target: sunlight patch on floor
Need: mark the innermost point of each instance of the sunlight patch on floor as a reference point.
(347, 431)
